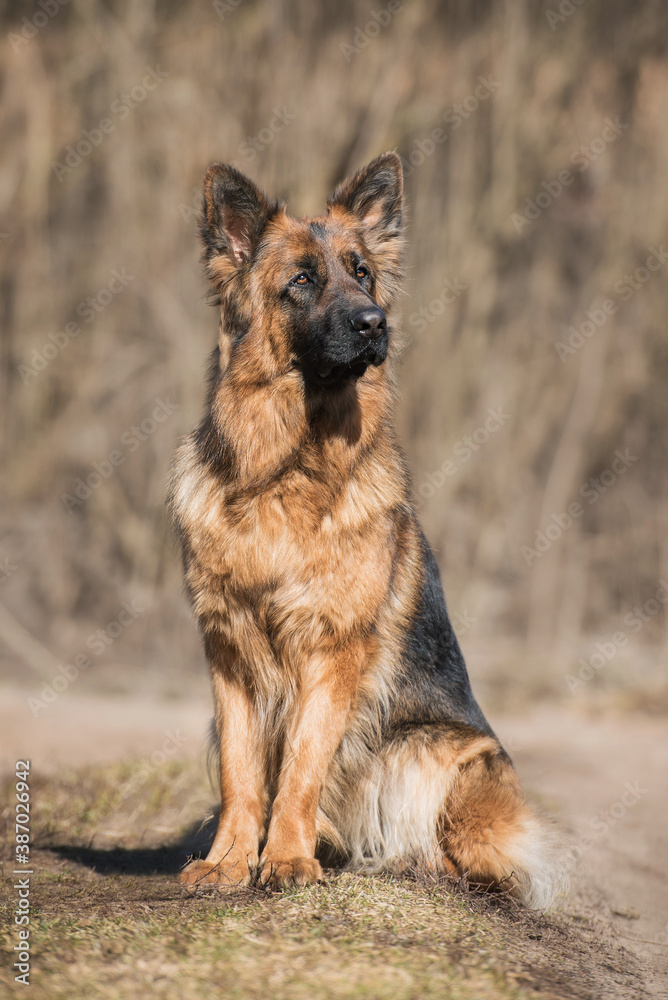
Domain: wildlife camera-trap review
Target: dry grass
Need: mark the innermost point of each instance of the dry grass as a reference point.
(336, 941)
(129, 205)
(110, 919)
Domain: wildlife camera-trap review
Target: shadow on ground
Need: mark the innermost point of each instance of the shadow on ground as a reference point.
(165, 860)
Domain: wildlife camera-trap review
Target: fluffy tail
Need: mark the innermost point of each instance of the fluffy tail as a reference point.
(490, 833)
(448, 801)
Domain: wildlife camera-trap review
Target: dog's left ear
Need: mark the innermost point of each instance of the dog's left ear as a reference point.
(375, 195)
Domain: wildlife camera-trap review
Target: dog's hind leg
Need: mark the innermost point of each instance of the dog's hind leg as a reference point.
(443, 797)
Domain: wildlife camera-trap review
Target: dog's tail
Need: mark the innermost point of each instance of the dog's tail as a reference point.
(452, 804)
(490, 833)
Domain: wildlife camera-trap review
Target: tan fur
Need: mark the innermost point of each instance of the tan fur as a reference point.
(303, 563)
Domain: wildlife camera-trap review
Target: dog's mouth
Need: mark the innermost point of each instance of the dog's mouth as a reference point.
(329, 373)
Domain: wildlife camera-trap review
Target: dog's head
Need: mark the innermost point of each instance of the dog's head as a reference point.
(312, 293)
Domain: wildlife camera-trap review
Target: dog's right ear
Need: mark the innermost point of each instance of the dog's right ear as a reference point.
(234, 215)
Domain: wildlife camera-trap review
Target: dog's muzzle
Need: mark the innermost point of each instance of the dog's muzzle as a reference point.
(368, 347)
(374, 353)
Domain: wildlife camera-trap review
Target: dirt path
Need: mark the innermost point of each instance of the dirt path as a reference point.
(607, 781)
(604, 779)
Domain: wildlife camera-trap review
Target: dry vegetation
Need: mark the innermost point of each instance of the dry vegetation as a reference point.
(129, 205)
(110, 920)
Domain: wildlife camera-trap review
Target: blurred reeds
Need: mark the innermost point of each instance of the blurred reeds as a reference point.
(131, 204)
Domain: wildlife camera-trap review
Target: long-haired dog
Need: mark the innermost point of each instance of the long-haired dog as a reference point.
(343, 709)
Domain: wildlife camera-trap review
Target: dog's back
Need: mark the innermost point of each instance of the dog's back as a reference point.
(343, 705)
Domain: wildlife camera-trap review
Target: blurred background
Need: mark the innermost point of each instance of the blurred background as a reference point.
(533, 385)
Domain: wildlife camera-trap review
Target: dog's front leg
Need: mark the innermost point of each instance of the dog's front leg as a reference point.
(234, 853)
(312, 739)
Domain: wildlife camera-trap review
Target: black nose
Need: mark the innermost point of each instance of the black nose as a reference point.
(369, 322)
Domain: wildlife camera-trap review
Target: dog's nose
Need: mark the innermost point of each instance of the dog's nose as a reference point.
(369, 322)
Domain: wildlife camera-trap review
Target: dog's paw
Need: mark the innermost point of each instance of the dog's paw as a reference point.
(283, 874)
(224, 875)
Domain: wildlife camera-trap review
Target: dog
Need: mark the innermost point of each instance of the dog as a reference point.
(344, 715)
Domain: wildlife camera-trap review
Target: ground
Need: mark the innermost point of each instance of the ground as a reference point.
(119, 791)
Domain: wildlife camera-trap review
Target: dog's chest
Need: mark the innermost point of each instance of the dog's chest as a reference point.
(285, 568)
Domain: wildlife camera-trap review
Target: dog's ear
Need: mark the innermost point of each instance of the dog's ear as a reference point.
(375, 196)
(234, 215)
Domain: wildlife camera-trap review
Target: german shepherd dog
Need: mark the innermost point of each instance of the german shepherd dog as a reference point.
(343, 710)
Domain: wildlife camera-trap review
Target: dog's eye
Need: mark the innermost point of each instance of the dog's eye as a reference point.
(361, 271)
(301, 279)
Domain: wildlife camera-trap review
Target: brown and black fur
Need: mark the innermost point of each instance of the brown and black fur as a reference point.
(343, 709)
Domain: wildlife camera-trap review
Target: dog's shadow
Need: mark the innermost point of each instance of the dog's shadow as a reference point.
(165, 860)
